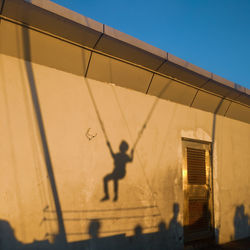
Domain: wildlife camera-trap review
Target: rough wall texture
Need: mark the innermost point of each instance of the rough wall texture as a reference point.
(83, 120)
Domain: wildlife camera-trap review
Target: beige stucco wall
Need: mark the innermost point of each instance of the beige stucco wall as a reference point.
(153, 182)
(231, 176)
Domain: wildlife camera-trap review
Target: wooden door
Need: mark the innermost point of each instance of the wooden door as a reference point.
(197, 183)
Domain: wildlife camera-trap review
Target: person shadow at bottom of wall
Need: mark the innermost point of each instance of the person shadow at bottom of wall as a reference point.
(93, 231)
(241, 226)
(175, 230)
(8, 240)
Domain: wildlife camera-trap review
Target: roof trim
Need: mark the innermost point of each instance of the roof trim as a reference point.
(94, 35)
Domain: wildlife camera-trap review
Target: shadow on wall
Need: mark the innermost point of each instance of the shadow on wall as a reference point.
(241, 223)
(170, 237)
(8, 240)
(43, 137)
(120, 158)
(167, 236)
(119, 172)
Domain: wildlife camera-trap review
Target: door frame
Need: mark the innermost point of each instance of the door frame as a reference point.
(207, 146)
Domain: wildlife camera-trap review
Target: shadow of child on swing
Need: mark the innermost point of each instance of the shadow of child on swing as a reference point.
(120, 160)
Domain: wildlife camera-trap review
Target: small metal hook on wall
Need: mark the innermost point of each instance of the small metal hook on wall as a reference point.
(89, 135)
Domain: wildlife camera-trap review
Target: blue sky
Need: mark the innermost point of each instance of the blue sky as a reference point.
(212, 34)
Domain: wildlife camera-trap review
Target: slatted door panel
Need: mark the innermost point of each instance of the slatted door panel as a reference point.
(196, 166)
